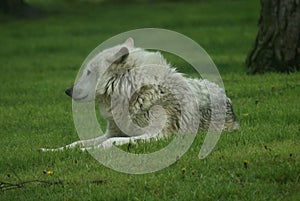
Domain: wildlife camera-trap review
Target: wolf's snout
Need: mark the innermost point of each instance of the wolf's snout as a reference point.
(69, 91)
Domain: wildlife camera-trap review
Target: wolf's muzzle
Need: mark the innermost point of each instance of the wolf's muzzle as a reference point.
(69, 91)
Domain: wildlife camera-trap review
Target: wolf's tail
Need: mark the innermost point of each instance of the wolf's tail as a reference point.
(231, 122)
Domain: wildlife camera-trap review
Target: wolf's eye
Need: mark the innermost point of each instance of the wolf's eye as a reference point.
(88, 72)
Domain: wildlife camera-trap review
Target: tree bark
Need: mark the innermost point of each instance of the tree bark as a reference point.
(277, 45)
(13, 6)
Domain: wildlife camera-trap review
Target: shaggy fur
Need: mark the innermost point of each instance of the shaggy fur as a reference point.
(121, 73)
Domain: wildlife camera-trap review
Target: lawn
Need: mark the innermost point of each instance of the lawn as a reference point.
(40, 57)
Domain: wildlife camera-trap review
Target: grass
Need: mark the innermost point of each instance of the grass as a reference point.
(40, 58)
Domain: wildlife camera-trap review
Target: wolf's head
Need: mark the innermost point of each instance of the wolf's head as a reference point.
(84, 88)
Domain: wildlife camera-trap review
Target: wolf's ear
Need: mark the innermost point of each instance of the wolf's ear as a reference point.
(129, 42)
(121, 55)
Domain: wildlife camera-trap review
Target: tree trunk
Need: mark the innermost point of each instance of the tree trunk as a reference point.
(277, 45)
(4, 5)
(13, 6)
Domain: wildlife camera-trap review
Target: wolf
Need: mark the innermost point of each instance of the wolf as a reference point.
(121, 74)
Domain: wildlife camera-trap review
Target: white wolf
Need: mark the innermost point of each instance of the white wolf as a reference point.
(121, 72)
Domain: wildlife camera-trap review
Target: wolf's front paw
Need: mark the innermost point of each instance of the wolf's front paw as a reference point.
(51, 150)
(46, 150)
(42, 149)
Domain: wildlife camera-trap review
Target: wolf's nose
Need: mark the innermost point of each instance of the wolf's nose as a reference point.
(69, 91)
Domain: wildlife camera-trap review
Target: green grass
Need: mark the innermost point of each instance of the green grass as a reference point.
(40, 58)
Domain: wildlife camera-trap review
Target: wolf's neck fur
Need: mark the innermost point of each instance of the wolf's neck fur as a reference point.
(139, 57)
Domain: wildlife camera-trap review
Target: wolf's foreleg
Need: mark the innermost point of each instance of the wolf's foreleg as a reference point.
(83, 144)
(125, 140)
